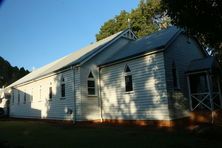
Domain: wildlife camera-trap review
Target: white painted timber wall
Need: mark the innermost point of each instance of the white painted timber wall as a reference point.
(78, 102)
(181, 52)
(148, 101)
(38, 104)
(90, 105)
(3, 102)
(2, 99)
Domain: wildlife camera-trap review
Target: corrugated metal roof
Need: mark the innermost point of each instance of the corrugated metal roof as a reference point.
(155, 41)
(72, 59)
(201, 64)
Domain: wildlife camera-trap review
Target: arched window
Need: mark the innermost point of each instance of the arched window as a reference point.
(18, 97)
(50, 92)
(176, 84)
(91, 84)
(13, 96)
(128, 79)
(24, 101)
(63, 87)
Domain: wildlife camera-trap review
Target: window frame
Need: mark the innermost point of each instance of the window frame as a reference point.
(13, 97)
(128, 73)
(24, 97)
(62, 88)
(91, 78)
(175, 77)
(18, 101)
(50, 93)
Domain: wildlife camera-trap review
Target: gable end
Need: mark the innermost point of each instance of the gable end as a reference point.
(129, 35)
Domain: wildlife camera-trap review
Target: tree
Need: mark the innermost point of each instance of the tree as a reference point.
(9, 74)
(201, 18)
(141, 20)
(113, 26)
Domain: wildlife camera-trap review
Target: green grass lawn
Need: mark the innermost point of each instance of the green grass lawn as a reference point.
(15, 133)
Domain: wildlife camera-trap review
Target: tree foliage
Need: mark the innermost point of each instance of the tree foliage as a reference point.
(9, 74)
(141, 20)
(202, 18)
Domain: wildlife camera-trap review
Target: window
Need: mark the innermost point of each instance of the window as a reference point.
(63, 88)
(24, 98)
(91, 84)
(175, 77)
(50, 93)
(13, 96)
(128, 79)
(18, 97)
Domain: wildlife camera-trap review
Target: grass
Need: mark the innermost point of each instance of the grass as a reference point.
(18, 133)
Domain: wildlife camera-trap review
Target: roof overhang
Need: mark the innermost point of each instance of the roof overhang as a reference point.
(208, 64)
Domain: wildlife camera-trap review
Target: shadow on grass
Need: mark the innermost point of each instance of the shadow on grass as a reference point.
(18, 133)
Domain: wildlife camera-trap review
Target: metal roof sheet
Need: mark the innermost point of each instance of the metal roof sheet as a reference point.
(71, 59)
(155, 41)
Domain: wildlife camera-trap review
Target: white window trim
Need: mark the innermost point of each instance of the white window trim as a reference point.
(50, 86)
(128, 74)
(95, 87)
(24, 97)
(61, 83)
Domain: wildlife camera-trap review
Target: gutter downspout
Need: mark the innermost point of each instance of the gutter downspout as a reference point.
(74, 95)
(101, 112)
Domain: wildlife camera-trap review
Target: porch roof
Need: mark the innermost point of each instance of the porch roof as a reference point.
(202, 64)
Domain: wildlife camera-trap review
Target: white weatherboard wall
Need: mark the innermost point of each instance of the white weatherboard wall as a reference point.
(3, 102)
(2, 99)
(182, 51)
(38, 104)
(77, 91)
(90, 105)
(148, 101)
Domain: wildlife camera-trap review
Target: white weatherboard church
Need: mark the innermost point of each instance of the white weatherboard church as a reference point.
(118, 78)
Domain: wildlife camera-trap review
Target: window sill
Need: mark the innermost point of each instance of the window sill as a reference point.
(62, 98)
(129, 92)
(92, 95)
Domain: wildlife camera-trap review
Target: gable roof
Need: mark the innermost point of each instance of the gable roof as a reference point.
(153, 42)
(71, 59)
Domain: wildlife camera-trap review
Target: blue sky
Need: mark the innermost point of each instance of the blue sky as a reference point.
(36, 32)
